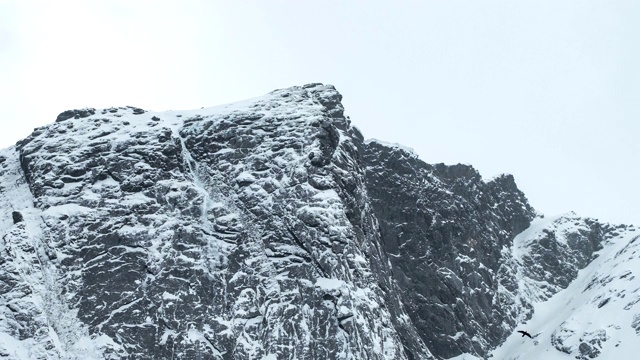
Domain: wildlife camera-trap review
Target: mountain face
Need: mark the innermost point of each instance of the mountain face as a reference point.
(444, 230)
(270, 229)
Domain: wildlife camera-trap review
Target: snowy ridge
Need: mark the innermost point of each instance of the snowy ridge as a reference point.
(594, 315)
(538, 290)
(444, 230)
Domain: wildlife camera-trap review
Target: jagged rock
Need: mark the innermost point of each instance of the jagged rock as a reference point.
(136, 110)
(591, 345)
(76, 114)
(444, 229)
(183, 238)
(268, 229)
(635, 324)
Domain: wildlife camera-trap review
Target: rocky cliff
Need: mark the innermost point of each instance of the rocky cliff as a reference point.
(264, 229)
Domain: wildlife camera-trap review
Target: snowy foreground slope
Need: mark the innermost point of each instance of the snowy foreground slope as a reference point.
(270, 229)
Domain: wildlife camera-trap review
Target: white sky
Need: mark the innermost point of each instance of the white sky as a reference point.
(546, 90)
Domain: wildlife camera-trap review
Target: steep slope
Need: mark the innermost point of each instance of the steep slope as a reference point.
(450, 235)
(236, 232)
(444, 229)
(269, 229)
(596, 315)
(35, 321)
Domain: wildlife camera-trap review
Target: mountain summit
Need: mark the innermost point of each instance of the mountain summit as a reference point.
(271, 229)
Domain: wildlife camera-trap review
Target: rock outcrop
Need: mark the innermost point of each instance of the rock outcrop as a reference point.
(265, 229)
(444, 229)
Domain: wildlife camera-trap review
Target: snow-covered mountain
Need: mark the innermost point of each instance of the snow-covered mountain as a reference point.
(594, 316)
(270, 229)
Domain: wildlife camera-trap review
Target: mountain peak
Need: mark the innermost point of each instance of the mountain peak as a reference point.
(268, 228)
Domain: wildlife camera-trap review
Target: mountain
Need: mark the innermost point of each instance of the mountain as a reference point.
(271, 229)
(594, 316)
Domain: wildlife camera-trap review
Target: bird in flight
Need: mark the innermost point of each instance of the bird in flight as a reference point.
(524, 333)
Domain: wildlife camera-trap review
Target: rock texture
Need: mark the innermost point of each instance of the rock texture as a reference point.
(265, 229)
(445, 229)
(594, 316)
(238, 233)
(449, 235)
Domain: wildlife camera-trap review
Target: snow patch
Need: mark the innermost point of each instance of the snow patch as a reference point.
(591, 316)
(329, 284)
(67, 209)
(465, 357)
(406, 149)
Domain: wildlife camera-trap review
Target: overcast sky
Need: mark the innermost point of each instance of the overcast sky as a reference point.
(548, 91)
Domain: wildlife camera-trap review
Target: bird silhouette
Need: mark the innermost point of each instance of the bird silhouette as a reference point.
(524, 333)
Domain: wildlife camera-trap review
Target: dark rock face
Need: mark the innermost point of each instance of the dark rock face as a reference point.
(263, 230)
(556, 256)
(444, 229)
(75, 114)
(449, 235)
